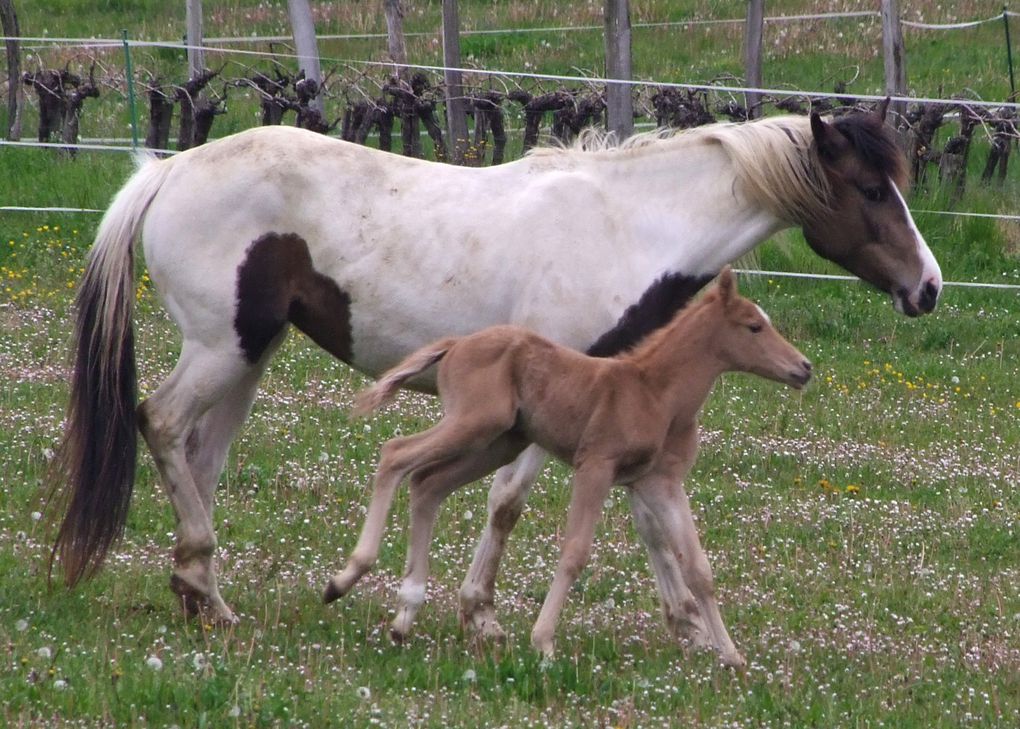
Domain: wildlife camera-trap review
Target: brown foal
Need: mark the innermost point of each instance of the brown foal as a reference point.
(630, 420)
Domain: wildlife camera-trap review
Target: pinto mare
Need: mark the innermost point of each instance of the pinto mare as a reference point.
(374, 255)
(630, 419)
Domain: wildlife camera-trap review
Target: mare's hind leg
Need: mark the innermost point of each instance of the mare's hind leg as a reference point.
(429, 488)
(448, 439)
(202, 389)
(507, 496)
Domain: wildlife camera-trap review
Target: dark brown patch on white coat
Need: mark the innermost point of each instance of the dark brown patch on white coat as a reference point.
(276, 284)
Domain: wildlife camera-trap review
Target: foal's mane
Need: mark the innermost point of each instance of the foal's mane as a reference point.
(775, 158)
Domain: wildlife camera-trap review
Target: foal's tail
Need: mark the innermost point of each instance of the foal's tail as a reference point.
(385, 389)
(94, 471)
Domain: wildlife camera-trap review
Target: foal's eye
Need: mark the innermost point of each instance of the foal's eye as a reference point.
(755, 328)
(873, 194)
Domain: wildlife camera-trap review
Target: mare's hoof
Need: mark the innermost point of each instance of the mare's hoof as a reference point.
(398, 637)
(331, 593)
(484, 624)
(201, 606)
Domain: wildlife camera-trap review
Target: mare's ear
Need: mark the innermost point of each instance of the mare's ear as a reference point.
(727, 285)
(882, 109)
(828, 139)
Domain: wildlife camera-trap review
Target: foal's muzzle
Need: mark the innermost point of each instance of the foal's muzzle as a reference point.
(800, 376)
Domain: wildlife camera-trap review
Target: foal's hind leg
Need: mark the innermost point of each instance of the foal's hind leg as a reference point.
(429, 488)
(448, 439)
(507, 497)
(168, 420)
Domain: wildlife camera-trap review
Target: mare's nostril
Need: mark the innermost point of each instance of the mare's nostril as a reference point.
(929, 295)
(806, 365)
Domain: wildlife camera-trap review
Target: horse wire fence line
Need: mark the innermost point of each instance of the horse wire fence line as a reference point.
(213, 45)
(873, 14)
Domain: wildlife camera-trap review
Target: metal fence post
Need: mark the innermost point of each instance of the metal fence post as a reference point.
(129, 72)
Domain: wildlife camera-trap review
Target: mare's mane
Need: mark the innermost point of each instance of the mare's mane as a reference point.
(688, 311)
(775, 159)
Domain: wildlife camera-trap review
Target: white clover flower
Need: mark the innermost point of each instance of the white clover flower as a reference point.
(468, 515)
(199, 661)
(60, 684)
(36, 515)
(470, 676)
(44, 652)
(235, 711)
(364, 692)
(21, 626)
(154, 663)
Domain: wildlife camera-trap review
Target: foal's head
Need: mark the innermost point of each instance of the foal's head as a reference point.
(746, 340)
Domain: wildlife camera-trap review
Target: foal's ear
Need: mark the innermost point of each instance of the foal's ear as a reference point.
(727, 285)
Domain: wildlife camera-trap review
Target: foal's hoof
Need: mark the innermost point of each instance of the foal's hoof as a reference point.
(734, 660)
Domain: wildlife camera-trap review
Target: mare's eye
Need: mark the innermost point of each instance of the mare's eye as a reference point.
(873, 194)
(755, 328)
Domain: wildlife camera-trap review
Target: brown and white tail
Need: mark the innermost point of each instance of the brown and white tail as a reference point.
(385, 389)
(94, 473)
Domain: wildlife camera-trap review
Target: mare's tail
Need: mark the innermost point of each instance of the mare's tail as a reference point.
(94, 472)
(385, 389)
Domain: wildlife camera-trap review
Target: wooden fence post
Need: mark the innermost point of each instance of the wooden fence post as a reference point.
(395, 37)
(9, 23)
(619, 102)
(895, 58)
(752, 56)
(456, 104)
(193, 21)
(302, 25)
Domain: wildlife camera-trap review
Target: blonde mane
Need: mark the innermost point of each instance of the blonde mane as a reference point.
(775, 159)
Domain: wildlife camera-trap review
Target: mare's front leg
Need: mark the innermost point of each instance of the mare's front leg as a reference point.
(679, 606)
(592, 482)
(429, 488)
(663, 496)
(507, 497)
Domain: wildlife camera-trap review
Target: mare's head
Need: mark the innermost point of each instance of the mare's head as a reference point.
(746, 341)
(867, 228)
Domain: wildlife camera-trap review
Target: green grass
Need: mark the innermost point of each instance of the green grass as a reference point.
(863, 533)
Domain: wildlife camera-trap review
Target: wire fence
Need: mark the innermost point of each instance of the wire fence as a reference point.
(220, 45)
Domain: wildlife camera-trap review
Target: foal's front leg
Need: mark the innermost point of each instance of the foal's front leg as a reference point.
(592, 482)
